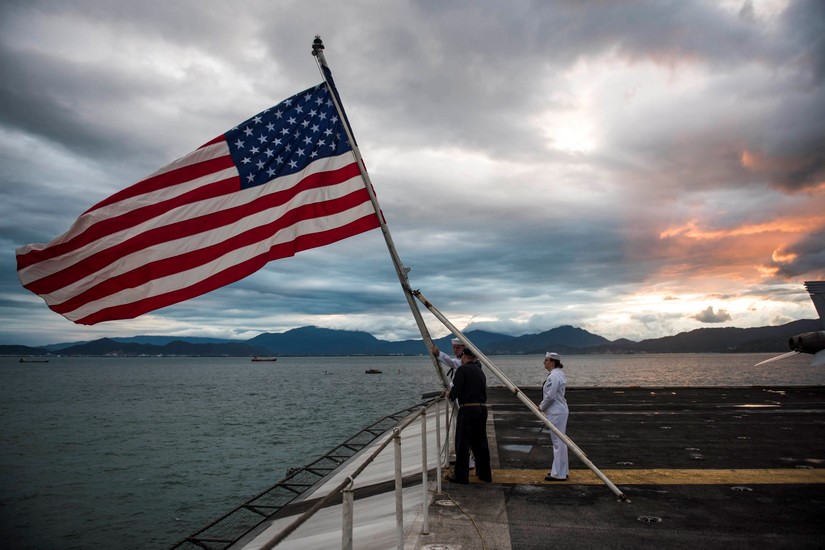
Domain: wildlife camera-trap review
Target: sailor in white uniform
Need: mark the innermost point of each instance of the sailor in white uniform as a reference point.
(450, 363)
(554, 406)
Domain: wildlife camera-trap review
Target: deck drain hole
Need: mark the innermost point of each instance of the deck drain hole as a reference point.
(624, 463)
(697, 456)
(446, 503)
(649, 519)
(691, 448)
(741, 489)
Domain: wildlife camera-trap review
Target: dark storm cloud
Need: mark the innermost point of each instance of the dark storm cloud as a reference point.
(703, 114)
(809, 255)
(710, 316)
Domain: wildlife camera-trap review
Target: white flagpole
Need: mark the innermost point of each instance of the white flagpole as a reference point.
(400, 269)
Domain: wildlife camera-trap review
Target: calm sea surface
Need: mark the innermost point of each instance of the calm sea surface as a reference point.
(139, 453)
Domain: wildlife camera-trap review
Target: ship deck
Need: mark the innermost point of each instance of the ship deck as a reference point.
(699, 467)
(714, 467)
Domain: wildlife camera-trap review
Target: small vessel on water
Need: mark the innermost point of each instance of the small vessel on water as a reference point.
(24, 360)
(256, 359)
(373, 371)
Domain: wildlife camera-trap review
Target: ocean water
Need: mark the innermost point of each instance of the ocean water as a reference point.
(138, 453)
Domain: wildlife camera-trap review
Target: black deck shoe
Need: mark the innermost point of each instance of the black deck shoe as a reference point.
(548, 477)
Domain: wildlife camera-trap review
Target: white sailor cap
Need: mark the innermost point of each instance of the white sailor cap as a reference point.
(457, 342)
(552, 355)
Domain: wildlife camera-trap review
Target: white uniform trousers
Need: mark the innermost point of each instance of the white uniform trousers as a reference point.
(560, 463)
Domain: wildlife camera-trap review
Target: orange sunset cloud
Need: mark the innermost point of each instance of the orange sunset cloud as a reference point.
(692, 230)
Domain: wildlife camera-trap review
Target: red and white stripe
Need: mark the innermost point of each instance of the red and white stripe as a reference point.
(188, 229)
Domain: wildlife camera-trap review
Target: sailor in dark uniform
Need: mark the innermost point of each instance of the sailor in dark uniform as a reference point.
(470, 389)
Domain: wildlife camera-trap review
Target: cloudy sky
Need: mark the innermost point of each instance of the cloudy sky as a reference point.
(636, 169)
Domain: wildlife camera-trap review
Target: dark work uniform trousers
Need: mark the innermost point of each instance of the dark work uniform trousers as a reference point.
(471, 433)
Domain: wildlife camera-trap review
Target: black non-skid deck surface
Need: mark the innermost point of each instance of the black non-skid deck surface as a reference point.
(673, 428)
(753, 440)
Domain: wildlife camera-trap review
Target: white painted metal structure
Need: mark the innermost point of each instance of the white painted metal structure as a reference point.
(379, 521)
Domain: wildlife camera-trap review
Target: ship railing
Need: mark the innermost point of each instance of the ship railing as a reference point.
(228, 529)
(345, 488)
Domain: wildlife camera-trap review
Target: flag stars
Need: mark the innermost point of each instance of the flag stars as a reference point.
(287, 137)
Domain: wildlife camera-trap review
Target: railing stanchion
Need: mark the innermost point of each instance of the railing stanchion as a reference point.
(424, 483)
(399, 501)
(347, 485)
(348, 504)
(438, 448)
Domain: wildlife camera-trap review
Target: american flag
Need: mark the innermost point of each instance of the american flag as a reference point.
(284, 181)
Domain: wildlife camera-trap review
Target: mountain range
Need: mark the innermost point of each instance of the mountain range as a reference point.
(315, 341)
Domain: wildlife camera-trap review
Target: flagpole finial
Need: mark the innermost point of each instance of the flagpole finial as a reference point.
(317, 45)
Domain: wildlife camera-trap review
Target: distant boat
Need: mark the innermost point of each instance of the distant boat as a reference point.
(373, 371)
(264, 358)
(24, 360)
(327, 372)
